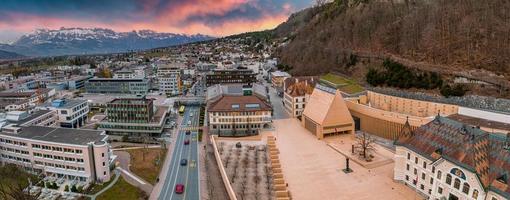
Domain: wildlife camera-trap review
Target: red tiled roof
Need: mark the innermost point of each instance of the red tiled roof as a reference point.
(473, 149)
(225, 104)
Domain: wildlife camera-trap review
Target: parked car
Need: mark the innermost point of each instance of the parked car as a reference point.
(186, 142)
(179, 188)
(188, 132)
(184, 162)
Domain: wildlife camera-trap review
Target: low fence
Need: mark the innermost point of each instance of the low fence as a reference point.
(223, 173)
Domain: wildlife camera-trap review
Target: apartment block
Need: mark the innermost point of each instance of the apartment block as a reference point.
(71, 113)
(135, 86)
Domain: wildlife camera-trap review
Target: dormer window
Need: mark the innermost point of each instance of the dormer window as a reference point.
(503, 179)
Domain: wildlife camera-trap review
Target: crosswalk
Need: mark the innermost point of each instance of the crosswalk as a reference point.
(190, 128)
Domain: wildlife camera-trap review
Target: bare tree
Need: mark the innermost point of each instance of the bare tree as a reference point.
(365, 143)
(319, 3)
(15, 192)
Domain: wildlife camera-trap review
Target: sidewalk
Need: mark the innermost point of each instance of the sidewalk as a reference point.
(166, 166)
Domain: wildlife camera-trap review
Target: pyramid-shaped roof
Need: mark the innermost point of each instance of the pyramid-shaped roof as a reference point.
(327, 109)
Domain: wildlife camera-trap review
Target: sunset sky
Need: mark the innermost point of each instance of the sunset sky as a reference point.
(212, 17)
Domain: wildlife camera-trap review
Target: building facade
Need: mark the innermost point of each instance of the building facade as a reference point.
(169, 79)
(71, 113)
(230, 76)
(117, 86)
(72, 154)
(326, 113)
(297, 93)
(445, 159)
(238, 115)
(134, 118)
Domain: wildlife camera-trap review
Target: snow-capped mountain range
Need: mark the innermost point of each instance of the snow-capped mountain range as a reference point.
(77, 41)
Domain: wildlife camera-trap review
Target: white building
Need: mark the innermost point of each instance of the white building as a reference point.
(73, 154)
(297, 91)
(169, 79)
(71, 113)
(124, 74)
(446, 159)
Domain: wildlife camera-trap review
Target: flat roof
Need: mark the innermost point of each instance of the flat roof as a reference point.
(480, 122)
(60, 135)
(32, 116)
(68, 103)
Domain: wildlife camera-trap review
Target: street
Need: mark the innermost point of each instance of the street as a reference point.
(187, 175)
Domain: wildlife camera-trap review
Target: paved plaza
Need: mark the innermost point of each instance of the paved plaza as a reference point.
(313, 170)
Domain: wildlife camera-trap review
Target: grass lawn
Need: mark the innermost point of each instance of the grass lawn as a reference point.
(10, 175)
(97, 187)
(343, 84)
(121, 190)
(147, 163)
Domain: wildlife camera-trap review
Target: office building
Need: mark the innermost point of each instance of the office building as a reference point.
(230, 76)
(134, 118)
(169, 79)
(71, 113)
(72, 154)
(135, 86)
(297, 93)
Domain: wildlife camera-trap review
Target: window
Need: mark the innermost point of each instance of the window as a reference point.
(431, 180)
(448, 179)
(407, 167)
(102, 155)
(415, 171)
(103, 164)
(422, 187)
(440, 190)
(424, 165)
(456, 184)
(433, 169)
(407, 178)
(423, 176)
(465, 188)
(475, 194)
(439, 175)
(416, 160)
(104, 173)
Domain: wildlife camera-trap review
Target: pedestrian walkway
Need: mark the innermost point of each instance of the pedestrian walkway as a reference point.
(94, 196)
(135, 180)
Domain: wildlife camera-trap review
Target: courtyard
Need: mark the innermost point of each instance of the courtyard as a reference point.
(313, 169)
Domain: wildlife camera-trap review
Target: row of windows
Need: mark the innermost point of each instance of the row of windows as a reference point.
(14, 150)
(240, 113)
(59, 166)
(240, 120)
(13, 142)
(68, 159)
(59, 149)
(14, 158)
(240, 126)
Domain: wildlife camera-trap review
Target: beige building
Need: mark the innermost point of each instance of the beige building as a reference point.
(407, 106)
(297, 93)
(232, 115)
(326, 113)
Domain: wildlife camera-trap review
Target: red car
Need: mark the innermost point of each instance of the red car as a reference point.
(179, 188)
(186, 142)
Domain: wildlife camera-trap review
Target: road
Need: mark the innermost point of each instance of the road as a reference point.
(187, 175)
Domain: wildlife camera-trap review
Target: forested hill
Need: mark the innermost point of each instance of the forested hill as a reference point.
(448, 36)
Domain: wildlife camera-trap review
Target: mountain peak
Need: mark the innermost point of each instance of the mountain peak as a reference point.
(76, 40)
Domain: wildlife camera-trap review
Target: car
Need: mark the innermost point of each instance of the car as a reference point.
(191, 114)
(189, 123)
(186, 142)
(179, 188)
(188, 132)
(184, 162)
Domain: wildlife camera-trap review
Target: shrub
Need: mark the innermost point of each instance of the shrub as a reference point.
(66, 188)
(74, 189)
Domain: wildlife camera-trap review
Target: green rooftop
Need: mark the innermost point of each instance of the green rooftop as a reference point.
(341, 83)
